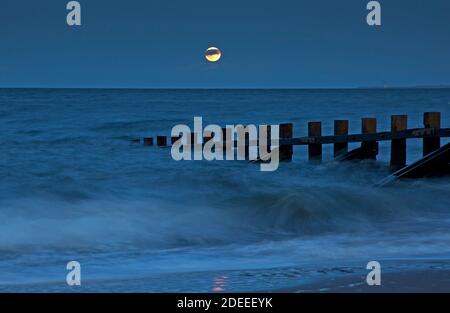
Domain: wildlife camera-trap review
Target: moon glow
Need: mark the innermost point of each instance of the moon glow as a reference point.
(213, 54)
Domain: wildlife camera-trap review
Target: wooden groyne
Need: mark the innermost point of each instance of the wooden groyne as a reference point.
(431, 133)
(436, 163)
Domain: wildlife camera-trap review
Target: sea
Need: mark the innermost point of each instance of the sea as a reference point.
(75, 187)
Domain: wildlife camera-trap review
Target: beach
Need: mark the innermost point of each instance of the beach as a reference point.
(75, 187)
(426, 281)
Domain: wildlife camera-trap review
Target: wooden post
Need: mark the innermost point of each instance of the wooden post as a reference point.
(398, 146)
(269, 138)
(269, 134)
(175, 139)
(431, 120)
(161, 141)
(148, 141)
(340, 128)
(247, 146)
(315, 150)
(369, 148)
(224, 139)
(286, 132)
(193, 139)
(207, 138)
(228, 143)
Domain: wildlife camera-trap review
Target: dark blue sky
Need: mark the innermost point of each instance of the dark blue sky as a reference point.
(266, 43)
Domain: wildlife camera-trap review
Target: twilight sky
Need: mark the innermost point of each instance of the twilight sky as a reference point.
(265, 43)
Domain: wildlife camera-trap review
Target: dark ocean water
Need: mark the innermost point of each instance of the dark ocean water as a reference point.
(73, 187)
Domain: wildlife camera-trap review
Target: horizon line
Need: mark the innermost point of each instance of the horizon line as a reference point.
(443, 86)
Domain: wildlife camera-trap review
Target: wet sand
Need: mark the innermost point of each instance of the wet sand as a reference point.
(426, 281)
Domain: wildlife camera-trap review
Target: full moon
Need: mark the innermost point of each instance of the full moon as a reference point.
(213, 54)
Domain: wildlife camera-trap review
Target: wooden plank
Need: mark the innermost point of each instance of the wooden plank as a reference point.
(314, 149)
(380, 136)
(355, 154)
(340, 128)
(398, 146)
(431, 120)
(434, 164)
